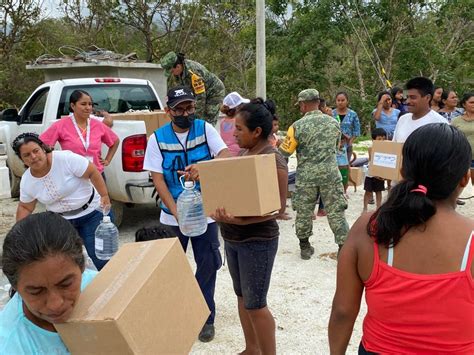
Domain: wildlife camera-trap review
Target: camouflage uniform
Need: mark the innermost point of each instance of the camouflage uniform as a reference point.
(207, 87)
(315, 137)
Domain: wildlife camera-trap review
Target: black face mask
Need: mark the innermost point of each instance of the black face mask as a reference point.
(184, 122)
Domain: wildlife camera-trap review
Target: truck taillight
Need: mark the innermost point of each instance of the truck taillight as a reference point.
(133, 153)
(107, 80)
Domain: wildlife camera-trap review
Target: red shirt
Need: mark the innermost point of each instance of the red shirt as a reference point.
(419, 314)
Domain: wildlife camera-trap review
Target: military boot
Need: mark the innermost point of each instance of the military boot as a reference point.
(306, 249)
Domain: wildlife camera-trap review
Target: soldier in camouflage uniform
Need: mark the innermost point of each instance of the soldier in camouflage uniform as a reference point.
(315, 137)
(207, 87)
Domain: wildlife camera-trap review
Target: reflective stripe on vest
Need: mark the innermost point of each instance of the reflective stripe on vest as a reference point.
(175, 157)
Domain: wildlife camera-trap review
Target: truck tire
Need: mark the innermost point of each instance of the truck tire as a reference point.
(117, 209)
(14, 184)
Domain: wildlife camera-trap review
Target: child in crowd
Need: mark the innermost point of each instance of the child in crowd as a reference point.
(398, 101)
(230, 106)
(343, 162)
(324, 108)
(374, 184)
(273, 138)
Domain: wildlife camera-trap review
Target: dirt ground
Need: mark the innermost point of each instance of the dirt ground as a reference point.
(300, 294)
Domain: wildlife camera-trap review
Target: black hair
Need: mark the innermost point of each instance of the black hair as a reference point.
(378, 132)
(437, 167)
(423, 85)
(180, 58)
(322, 102)
(394, 91)
(229, 112)
(36, 237)
(28, 137)
(343, 93)
(466, 97)
(259, 113)
(76, 96)
(444, 96)
(380, 94)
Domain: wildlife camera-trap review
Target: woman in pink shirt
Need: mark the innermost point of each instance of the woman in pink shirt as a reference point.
(230, 107)
(412, 257)
(82, 134)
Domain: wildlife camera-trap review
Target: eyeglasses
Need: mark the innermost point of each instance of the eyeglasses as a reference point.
(179, 111)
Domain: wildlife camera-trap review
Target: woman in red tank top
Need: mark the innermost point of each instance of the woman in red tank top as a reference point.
(413, 257)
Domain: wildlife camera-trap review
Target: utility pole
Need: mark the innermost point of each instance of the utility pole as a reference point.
(261, 65)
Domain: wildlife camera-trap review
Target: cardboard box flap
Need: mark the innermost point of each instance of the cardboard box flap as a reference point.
(92, 332)
(176, 290)
(94, 303)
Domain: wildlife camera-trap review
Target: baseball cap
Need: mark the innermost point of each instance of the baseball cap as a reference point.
(234, 99)
(179, 94)
(168, 61)
(308, 95)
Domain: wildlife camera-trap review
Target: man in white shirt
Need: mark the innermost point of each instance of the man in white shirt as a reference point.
(420, 93)
(172, 151)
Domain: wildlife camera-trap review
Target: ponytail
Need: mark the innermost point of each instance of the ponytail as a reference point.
(431, 173)
(405, 208)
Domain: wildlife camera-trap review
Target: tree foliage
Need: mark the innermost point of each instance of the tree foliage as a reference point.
(326, 44)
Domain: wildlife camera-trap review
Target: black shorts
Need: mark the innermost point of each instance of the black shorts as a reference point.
(250, 266)
(372, 184)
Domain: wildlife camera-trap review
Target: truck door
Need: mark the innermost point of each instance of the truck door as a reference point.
(30, 120)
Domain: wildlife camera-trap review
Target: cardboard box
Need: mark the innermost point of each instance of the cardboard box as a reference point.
(356, 176)
(245, 186)
(153, 120)
(145, 301)
(386, 160)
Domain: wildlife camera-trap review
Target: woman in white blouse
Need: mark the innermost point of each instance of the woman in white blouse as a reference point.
(66, 183)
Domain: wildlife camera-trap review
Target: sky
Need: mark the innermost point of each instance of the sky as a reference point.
(50, 8)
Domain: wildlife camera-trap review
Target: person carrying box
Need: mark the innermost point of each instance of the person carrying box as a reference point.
(372, 183)
(173, 150)
(251, 243)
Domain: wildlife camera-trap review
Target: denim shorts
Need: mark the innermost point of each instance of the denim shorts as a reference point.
(250, 266)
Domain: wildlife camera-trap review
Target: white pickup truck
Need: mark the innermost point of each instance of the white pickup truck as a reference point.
(126, 181)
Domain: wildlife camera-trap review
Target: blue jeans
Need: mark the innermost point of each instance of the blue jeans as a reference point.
(86, 226)
(208, 261)
(250, 266)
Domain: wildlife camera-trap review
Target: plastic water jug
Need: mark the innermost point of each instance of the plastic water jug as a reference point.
(191, 218)
(365, 170)
(106, 239)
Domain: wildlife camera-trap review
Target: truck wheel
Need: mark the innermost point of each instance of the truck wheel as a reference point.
(117, 209)
(14, 184)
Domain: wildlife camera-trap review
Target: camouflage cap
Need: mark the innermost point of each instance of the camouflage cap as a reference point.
(168, 61)
(307, 95)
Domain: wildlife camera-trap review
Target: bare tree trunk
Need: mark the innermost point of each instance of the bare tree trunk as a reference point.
(360, 77)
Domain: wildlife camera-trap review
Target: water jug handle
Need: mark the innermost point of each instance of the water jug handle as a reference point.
(183, 183)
